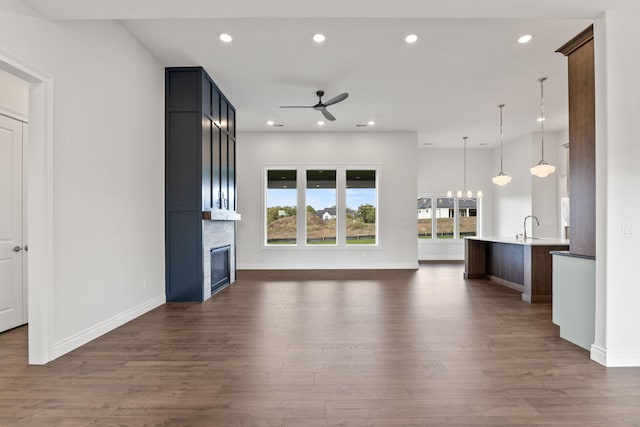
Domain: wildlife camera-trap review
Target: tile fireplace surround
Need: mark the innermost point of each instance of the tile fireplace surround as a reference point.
(214, 234)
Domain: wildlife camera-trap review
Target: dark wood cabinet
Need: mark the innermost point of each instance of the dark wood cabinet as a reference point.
(199, 173)
(582, 142)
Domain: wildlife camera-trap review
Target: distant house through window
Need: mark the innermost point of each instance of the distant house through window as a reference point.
(340, 206)
(321, 220)
(440, 217)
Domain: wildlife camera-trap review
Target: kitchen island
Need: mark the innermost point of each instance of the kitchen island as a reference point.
(524, 265)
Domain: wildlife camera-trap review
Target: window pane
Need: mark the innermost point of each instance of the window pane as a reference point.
(424, 218)
(468, 209)
(362, 203)
(282, 199)
(444, 218)
(321, 207)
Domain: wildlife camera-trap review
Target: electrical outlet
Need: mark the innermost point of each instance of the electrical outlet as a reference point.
(145, 284)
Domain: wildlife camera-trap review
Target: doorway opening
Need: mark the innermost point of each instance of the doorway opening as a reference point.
(38, 177)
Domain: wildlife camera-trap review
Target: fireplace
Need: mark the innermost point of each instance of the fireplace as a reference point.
(220, 268)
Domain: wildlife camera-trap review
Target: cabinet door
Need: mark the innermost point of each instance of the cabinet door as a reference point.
(207, 128)
(232, 122)
(231, 173)
(224, 170)
(224, 114)
(216, 106)
(216, 189)
(207, 89)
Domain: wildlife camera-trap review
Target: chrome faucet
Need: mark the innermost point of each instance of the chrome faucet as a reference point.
(525, 224)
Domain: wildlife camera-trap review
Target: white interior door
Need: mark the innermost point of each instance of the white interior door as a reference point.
(12, 254)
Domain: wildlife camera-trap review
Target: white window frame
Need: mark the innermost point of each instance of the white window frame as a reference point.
(341, 199)
(456, 217)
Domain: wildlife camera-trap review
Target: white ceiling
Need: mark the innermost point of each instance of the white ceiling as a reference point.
(445, 86)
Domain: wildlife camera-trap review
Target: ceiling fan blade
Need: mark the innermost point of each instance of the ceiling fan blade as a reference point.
(327, 114)
(296, 106)
(336, 99)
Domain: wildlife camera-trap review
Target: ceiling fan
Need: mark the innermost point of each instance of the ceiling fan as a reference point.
(322, 106)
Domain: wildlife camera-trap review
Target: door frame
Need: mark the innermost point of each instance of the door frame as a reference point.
(38, 185)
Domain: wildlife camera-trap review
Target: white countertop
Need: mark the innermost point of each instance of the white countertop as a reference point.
(537, 241)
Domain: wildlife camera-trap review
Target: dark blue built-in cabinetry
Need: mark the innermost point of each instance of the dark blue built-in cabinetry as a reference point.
(200, 130)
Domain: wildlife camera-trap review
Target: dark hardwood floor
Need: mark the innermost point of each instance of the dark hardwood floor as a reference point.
(362, 348)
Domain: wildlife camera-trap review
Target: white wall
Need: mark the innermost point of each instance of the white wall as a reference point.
(527, 194)
(513, 201)
(440, 170)
(617, 67)
(108, 168)
(394, 153)
(545, 200)
(14, 96)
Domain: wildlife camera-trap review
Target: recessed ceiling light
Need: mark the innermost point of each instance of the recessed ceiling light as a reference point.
(484, 143)
(320, 123)
(225, 38)
(411, 38)
(319, 38)
(428, 143)
(270, 123)
(371, 122)
(525, 39)
(541, 119)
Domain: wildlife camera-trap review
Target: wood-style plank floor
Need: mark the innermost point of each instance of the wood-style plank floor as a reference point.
(332, 348)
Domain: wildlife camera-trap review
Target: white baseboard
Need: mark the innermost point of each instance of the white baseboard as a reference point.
(81, 338)
(442, 257)
(598, 354)
(617, 359)
(355, 266)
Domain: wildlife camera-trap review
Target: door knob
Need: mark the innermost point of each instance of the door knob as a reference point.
(16, 249)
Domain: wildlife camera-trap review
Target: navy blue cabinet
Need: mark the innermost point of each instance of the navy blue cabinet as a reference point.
(199, 173)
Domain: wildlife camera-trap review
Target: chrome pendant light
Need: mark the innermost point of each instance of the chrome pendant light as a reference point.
(502, 178)
(542, 169)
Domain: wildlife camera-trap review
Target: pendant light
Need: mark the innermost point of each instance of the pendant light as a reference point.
(542, 169)
(502, 178)
(464, 193)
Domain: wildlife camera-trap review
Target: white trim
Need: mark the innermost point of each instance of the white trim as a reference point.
(616, 359)
(599, 354)
(71, 343)
(40, 208)
(354, 266)
(13, 114)
(25, 223)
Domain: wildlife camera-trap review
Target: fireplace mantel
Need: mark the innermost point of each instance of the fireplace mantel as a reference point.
(221, 215)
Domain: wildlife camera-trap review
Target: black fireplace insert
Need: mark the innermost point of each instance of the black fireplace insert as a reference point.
(220, 268)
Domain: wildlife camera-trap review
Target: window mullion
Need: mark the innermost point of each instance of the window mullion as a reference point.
(341, 208)
(301, 216)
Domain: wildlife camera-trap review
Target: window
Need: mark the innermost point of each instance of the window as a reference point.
(340, 206)
(361, 206)
(281, 207)
(425, 221)
(321, 207)
(447, 218)
(468, 213)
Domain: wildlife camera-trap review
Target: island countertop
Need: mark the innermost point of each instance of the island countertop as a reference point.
(536, 241)
(525, 265)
